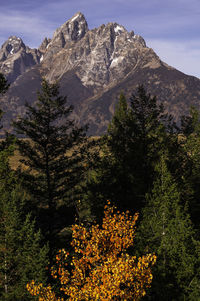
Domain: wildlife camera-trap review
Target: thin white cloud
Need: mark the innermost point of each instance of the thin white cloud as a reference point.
(28, 26)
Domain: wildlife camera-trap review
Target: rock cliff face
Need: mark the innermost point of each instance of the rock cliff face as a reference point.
(93, 67)
(16, 58)
(99, 57)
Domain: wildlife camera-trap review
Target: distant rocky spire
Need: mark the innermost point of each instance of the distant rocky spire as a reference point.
(44, 44)
(10, 47)
(16, 58)
(72, 30)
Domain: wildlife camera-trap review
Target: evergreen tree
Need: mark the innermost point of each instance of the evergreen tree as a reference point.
(147, 132)
(53, 155)
(166, 229)
(136, 136)
(190, 129)
(23, 255)
(107, 176)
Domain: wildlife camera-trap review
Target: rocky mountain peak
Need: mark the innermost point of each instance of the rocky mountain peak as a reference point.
(139, 40)
(118, 29)
(93, 67)
(16, 57)
(100, 56)
(10, 47)
(72, 30)
(110, 53)
(45, 43)
(117, 34)
(75, 28)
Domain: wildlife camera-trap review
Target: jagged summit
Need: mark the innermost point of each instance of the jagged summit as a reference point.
(16, 57)
(98, 54)
(92, 67)
(78, 17)
(44, 45)
(101, 56)
(10, 47)
(73, 29)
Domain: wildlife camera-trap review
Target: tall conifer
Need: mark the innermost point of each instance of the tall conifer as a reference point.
(191, 173)
(53, 154)
(23, 255)
(136, 136)
(166, 229)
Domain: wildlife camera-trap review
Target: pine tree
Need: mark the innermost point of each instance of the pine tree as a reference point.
(190, 130)
(136, 136)
(53, 155)
(110, 171)
(22, 252)
(166, 229)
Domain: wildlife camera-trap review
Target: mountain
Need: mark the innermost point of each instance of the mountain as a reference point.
(16, 58)
(93, 67)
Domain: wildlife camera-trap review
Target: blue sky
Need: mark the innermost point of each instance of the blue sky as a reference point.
(170, 27)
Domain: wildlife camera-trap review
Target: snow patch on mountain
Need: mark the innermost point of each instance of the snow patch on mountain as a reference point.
(118, 29)
(75, 17)
(116, 61)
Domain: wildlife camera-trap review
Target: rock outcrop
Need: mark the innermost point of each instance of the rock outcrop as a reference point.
(93, 67)
(16, 58)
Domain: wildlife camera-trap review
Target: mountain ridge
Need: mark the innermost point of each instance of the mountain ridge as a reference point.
(92, 67)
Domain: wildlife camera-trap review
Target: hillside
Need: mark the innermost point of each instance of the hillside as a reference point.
(93, 67)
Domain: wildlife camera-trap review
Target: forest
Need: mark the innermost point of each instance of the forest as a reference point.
(114, 217)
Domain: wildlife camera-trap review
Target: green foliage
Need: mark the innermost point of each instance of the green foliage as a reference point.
(53, 135)
(137, 135)
(53, 156)
(191, 173)
(166, 229)
(127, 165)
(137, 132)
(189, 123)
(22, 253)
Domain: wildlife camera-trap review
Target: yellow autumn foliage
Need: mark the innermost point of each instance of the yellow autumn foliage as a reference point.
(102, 268)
